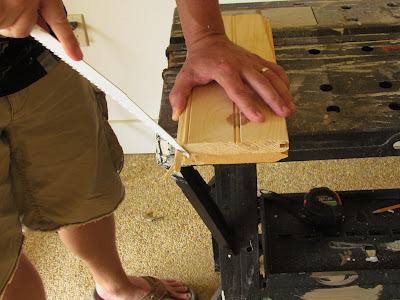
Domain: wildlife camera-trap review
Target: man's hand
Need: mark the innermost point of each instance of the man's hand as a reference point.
(214, 57)
(17, 18)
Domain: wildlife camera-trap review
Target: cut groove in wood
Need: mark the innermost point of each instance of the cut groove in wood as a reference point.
(213, 129)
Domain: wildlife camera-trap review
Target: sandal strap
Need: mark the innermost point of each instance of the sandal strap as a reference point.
(158, 290)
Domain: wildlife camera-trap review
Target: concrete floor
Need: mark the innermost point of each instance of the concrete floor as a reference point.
(160, 234)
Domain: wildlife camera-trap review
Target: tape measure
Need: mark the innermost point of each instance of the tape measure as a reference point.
(322, 207)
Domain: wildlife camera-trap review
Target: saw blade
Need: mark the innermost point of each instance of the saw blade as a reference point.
(51, 43)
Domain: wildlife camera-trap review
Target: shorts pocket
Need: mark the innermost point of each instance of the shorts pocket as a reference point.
(117, 154)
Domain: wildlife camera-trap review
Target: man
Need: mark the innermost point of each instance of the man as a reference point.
(59, 160)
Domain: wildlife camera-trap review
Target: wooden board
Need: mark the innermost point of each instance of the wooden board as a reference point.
(299, 16)
(213, 129)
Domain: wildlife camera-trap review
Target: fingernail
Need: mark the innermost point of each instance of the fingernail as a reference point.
(285, 109)
(260, 115)
(80, 53)
(77, 53)
(175, 114)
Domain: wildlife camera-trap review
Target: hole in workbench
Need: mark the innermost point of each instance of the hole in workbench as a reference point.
(385, 84)
(284, 236)
(249, 249)
(367, 48)
(326, 87)
(314, 51)
(369, 248)
(376, 232)
(351, 19)
(310, 236)
(333, 108)
(361, 217)
(332, 234)
(392, 4)
(394, 106)
(396, 231)
(346, 6)
(353, 233)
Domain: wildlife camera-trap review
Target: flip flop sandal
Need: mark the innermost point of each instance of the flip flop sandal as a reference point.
(157, 292)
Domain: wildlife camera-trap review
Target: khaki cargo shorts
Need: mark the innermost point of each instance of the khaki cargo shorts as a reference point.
(59, 160)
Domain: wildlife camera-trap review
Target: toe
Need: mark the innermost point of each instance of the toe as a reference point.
(178, 290)
(181, 289)
(181, 296)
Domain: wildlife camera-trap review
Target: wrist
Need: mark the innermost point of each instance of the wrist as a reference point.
(206, 40)
(200, 19)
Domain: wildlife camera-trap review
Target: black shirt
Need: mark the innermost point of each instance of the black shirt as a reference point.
(20, 63)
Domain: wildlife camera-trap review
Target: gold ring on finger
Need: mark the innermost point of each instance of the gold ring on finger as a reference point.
(263, 70)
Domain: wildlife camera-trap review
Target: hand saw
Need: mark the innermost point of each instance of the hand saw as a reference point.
(103, 84)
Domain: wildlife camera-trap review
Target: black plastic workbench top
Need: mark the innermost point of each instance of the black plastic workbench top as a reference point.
(344, 71)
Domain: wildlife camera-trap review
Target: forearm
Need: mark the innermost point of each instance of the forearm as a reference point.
(200, 18)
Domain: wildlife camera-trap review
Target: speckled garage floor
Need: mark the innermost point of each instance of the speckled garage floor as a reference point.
(160, 234)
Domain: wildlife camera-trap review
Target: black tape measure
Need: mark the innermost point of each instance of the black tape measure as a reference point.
(322, 207)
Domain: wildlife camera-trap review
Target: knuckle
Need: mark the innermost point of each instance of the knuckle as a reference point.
(171, 96)
(240, 92)
(225, 67)
(280, 69)
(185, 74)
(246, 106)
(254, 56)
(22, 34)
(177, 96)
(174, 95)
(275, 99)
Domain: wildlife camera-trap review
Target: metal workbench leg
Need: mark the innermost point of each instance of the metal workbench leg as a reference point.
(236, 195)
(198, 193)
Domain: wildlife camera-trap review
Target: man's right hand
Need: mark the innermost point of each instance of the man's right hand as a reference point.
(17, 18)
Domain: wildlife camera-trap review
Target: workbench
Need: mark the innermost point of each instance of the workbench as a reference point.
(343, 60)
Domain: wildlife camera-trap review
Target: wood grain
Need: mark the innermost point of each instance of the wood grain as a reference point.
(213, 129)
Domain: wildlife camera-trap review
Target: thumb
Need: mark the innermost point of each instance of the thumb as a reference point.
(179, 94)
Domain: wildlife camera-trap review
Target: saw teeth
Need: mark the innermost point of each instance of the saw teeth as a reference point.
(103, 84)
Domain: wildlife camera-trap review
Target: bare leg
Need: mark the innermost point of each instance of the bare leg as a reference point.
(95, 244)
(26, 283)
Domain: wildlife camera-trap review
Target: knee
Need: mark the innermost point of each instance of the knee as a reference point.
(26, 283)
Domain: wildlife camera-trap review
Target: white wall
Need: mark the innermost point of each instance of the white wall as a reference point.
(127, 45)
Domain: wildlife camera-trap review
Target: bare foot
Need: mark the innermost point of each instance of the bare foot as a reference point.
(138, 288)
